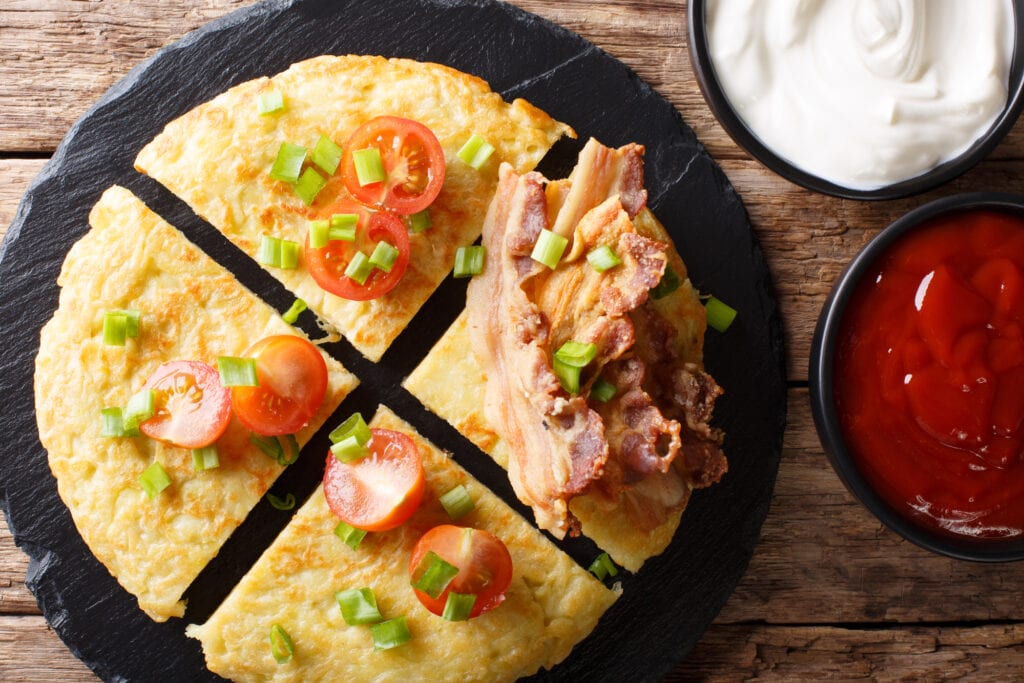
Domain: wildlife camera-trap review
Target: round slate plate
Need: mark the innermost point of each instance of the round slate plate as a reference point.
(667, 605)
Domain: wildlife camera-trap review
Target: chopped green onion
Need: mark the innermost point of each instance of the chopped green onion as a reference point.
(384, 256)
(132, 316)
(318, 233)
(569, 359)
(549, 248)
(603, 567)
(271, 446)
(602, 390)
(139, 408)
(120, 325)
(568, 376)
(115, 328)
(358, 606)
(278, 253)
(349, 450)
(603, 258)
(292, 314)
(433, 574)
(288, 164)
(286, 503)
(289, 452)
(289, 254)
(154, 480)
(458, 606)
(270, 102)
(720, 314)
(237, 372)
(343, 227)
(326, 155)
(354, 425)
(269, 252)
(113, 424)
(576, 354)
(281, 645)
(390, 633)
(457, 502)
(359, 268)
(369, 166)
(350, 535)
(669, 283)
(469, 261)
(205, 458)
(418, 222)
(476, 151)
(309, 185)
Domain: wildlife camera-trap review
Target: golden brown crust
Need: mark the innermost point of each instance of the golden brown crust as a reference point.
(217, 157)
(191, 308)
(551, 605)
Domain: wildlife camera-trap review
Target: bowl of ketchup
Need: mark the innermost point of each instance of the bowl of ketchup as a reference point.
(917, 376)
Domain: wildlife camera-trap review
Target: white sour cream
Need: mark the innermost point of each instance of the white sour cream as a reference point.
(864, 93)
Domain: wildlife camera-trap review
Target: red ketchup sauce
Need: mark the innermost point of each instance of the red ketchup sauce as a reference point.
(929, 375)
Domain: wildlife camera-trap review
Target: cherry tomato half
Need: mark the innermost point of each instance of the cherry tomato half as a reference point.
(413, 160)
(192, 408)
(381, 490)
(485, 566)
(293, 381)
(327, 264)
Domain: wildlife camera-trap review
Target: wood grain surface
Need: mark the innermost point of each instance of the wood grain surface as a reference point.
(830, 593)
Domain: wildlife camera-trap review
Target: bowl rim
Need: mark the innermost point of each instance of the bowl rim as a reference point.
(721, 107)
(826, 421)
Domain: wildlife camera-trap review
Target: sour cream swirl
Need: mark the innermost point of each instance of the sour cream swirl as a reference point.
(864, 93)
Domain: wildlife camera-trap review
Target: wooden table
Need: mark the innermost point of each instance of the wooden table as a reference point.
(830, 592)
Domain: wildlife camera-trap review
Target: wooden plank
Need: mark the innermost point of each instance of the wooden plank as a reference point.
(15, 176)
(30, 652)
(59, 56)
(15, 598)
(809, 239)
(823, 558)
(917, 653)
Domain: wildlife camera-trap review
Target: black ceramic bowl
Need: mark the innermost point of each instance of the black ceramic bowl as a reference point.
(733, 124)
(823, 406)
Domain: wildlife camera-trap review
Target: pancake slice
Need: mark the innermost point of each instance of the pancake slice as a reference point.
(190, 309)
(217, 158)
(450, 383)
(552, 603)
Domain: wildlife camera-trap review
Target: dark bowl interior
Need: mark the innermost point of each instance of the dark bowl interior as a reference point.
(823, 348)
(733, 124)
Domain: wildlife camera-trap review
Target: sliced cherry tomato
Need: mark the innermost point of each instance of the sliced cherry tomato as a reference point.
(485, 566)
(327, 264)
(413, 160)
(293, 381)
(192, 408)
(381, 490)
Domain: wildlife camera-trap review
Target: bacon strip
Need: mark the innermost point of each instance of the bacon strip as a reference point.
(520, 312)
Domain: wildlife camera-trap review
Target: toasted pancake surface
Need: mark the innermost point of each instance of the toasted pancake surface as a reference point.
(450, 383)
(217, 158)
(551, 605)
(190, 309)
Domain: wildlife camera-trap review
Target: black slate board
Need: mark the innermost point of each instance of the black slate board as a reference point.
(668, 604)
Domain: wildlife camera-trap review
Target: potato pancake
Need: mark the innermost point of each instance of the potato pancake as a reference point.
(218, 158)
(190, 308)
(551, 605)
